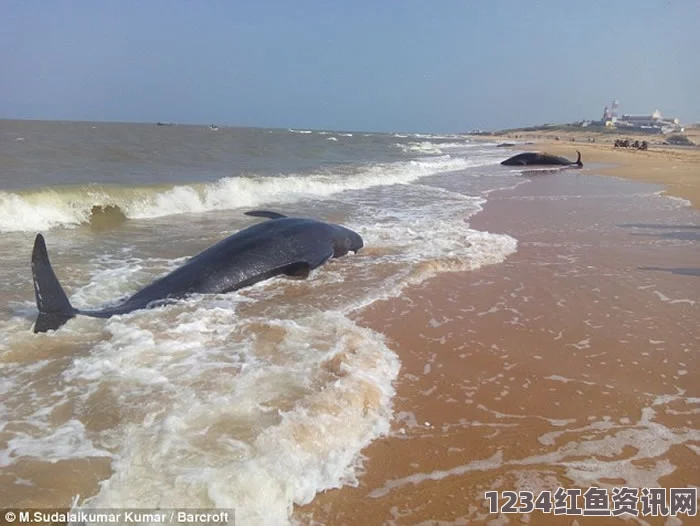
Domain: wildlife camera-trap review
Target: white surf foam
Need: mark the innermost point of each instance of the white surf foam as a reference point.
(45, 209)
(68, 441)
(232, 421)
(420, 232)
(678, 202)
(424, 147)
(590, 455)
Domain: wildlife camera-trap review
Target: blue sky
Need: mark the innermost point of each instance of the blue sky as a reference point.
(391, 65)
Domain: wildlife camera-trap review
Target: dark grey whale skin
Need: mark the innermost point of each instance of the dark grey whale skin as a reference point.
(541, 159)
(283, 245)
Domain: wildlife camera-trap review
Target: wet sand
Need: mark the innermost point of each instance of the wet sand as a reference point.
(572, 364)
(678, 169)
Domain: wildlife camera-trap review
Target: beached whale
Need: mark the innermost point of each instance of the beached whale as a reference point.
(535, 158)
(283, 245)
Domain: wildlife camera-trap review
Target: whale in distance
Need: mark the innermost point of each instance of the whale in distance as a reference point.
(541, 159)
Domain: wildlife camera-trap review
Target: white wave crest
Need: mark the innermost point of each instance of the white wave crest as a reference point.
(420, 147)
(47, 208)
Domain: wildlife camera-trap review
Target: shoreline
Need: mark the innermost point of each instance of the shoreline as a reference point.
(555, 368)
(676, 168)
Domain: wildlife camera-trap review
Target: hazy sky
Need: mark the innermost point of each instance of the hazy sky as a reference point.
(389, 65)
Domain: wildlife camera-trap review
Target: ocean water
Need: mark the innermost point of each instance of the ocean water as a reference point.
(255, 400)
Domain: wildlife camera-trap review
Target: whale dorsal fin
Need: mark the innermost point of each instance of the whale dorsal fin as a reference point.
(51, 301)
(265, 213)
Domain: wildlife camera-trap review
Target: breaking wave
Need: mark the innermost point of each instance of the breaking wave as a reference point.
(102, 205)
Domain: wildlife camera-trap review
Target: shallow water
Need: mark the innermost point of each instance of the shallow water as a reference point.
(255, 400)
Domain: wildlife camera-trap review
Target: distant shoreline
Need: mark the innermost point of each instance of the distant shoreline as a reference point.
(675, 167)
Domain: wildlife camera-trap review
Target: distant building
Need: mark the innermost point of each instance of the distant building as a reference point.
(654, 123)
(648, 120)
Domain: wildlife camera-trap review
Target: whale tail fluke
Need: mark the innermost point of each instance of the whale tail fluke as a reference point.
(51, 300)
(578, 160)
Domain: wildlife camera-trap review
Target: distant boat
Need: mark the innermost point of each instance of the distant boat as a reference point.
(164, 123)
(213, 127)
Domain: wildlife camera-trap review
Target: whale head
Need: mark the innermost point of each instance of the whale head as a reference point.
(345, 240)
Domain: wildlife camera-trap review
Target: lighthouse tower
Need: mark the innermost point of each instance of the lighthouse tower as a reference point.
(613, 110)
(610, 112)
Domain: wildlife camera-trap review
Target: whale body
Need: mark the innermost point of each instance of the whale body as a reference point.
(283, 245)
(536, 158)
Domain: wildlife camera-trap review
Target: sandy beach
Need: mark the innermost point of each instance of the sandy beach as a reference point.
(572, 365)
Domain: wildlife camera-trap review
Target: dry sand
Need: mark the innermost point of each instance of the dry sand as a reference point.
(573, 364)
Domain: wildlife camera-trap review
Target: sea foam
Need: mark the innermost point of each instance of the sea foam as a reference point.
(49, 208)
